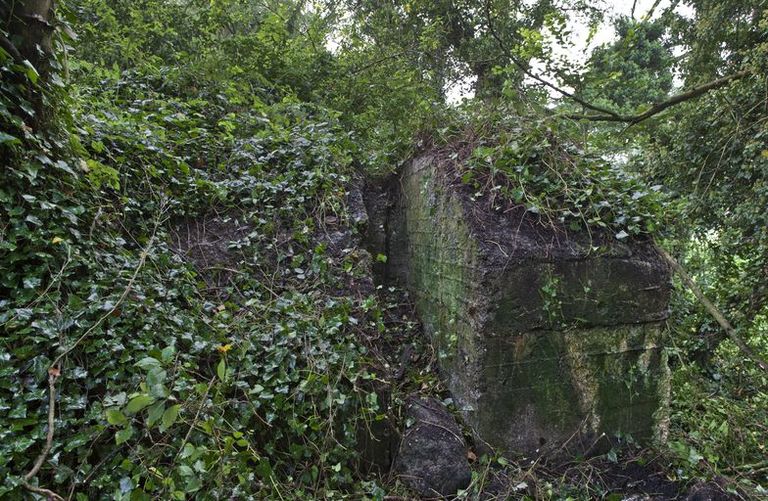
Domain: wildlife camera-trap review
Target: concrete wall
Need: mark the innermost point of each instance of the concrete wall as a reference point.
(546, 340)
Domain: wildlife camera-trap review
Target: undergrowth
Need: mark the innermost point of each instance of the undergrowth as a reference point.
(164, 387)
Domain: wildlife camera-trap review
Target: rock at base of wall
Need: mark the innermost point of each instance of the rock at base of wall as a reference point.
(432, 459)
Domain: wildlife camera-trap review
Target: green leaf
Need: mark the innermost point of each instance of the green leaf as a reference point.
(155, 379)
(115, 417)
(694, 457)
(148, 363)
(169, 417)
(221, 370)
(168, 353)
(31, 72)
(123, 435)
(138, 403)
(155, 412)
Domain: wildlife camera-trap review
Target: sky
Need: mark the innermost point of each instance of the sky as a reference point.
(581, 49)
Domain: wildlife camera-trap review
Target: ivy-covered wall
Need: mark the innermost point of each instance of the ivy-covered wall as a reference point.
(545, 338)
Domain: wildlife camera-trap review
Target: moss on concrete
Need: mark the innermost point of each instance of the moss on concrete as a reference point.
(540, 345)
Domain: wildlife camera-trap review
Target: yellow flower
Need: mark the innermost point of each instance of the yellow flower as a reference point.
(224, 348)
(57, 240)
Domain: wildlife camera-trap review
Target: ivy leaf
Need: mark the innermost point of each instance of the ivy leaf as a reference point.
(148, 363)
(7, 138)
(116, 418)
(138, 403)
(694, 457)
(169, 417)
(123, 435)
(155, 412)
(168, 353)
(31, 72)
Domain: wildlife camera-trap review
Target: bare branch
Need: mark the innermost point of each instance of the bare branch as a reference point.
(659, 107)
(379, 61)
(49, 494)
(650, 12)
(53, 374)
(712, 310)
(523, 67)
(605, 114)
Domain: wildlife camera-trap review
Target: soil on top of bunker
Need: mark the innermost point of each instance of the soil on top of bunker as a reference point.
(509, 229)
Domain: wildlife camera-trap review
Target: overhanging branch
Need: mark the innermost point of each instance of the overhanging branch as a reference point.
(524, 68)
(604, 114)
(659, 107)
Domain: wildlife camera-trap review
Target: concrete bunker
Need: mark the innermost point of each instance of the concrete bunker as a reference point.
(547, 340)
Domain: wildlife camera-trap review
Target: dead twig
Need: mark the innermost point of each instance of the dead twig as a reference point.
(712, 310)
(53, 374)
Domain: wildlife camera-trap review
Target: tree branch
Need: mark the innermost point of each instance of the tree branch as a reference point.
(53, 374)
(650, 12)
(11, 49)
(523, 67)
(712, 310)
(49, 494)
(605, 114)
(659, 107)
(364, 67)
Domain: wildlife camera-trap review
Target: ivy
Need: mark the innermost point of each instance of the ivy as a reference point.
(539, 168)
(178, 376)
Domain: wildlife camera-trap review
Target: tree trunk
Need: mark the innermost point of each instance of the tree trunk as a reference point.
(30, 28)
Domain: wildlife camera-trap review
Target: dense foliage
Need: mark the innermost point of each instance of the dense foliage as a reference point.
(193, 357)
(179, 243)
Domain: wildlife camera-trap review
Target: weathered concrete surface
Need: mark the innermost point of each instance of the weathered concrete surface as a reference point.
(544, 341)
